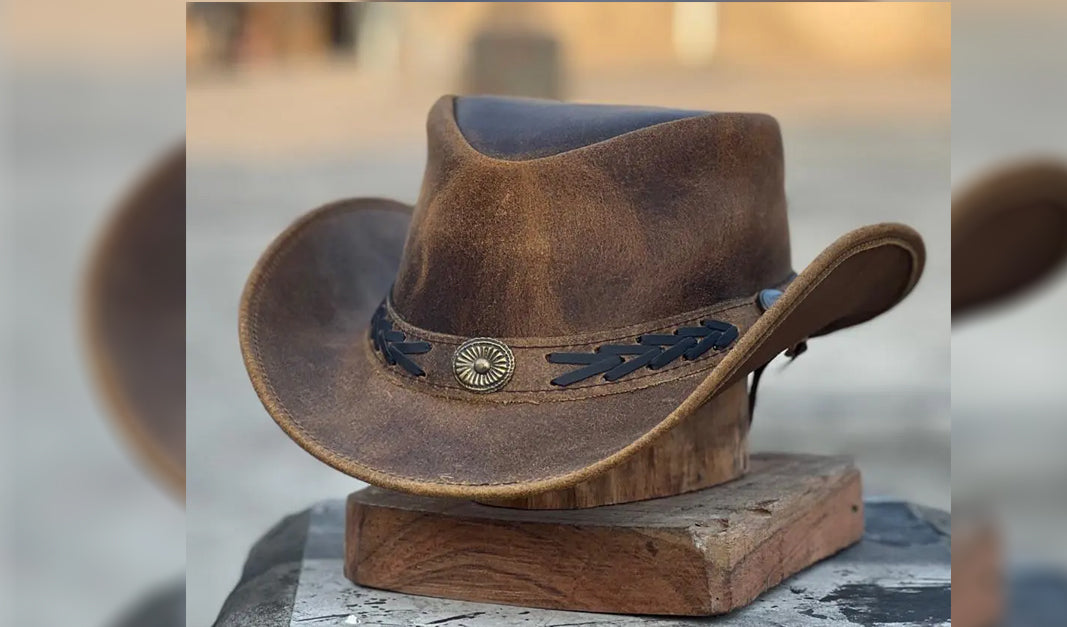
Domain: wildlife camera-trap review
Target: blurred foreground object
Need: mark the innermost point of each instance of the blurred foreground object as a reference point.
(1009, 231)
(161, 608)
(977, 572)
(135, 330)
(135, 318)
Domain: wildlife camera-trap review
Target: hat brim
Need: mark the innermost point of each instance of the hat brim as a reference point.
(323, 385)
(1009, 232)
(134, 318)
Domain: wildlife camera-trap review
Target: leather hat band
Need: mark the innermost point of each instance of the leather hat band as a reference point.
(630, 357)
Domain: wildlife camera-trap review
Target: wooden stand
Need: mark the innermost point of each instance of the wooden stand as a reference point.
(701, 553)
(709, 448)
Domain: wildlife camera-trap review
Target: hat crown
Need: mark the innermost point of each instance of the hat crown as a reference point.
(541, 219)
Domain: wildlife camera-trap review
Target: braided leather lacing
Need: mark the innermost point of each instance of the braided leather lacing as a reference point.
(652, 351)
(392, 343)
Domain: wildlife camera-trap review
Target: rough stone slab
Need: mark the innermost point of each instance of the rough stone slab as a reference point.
(899, 574)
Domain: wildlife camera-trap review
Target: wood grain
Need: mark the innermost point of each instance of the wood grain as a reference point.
(701, 553)
(709, 448)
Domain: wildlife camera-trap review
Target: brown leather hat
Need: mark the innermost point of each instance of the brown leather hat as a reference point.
(576, 280)
(1009, 231)
(135, 317)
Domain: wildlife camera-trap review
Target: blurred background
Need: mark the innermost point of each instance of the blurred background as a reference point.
(290, 106)
(93, 94)
(1008, 397)
(7, 500)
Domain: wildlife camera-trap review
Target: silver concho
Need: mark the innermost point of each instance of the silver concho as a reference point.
(483, 364)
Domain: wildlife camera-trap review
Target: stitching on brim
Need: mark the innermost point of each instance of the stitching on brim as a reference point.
(816, 281)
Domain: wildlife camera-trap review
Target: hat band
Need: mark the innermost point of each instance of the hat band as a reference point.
(652, 351)
(517, 369)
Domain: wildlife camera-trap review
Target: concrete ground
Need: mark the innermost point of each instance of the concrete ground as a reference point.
(879, 391)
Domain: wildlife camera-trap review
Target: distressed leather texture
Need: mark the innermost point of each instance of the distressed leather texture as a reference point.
(1009, 231)
(638, 231)
(642, 226)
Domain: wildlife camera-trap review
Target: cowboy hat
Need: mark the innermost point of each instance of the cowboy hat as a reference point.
(1009, 231)
(135, 317)
(575, 281)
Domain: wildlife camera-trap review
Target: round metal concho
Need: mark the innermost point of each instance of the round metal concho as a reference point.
(483, 364)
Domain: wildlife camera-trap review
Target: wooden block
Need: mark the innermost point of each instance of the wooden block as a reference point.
(702, 553)
(709, 448)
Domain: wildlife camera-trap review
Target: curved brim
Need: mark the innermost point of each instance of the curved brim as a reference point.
(135, 318)
(1009, 231)
(303, 334)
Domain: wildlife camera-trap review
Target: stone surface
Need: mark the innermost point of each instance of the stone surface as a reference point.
(898, 575)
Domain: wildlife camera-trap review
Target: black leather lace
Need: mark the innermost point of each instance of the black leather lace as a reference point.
(392, 343)
(653, 351)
